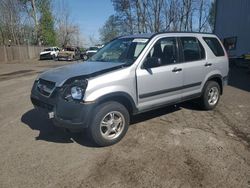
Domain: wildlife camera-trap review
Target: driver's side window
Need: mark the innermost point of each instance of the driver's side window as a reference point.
(164, 52)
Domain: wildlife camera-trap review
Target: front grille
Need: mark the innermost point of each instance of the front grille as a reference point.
(41, 104)
(45, 55)
(45, 87)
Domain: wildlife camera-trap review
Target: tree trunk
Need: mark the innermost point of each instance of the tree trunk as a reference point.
(34, 15)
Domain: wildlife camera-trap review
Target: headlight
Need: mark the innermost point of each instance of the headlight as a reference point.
(77, 92)
(74, 90)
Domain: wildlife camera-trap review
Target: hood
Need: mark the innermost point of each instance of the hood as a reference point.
(66, 52)
(85, 69)
(45, 52)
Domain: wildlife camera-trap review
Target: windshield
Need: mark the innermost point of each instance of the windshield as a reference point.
(93, 48)
(69, 49)
(123, 50)
(48, 49)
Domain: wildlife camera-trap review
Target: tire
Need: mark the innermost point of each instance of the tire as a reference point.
(103, 131)
(210, 96)
(85, 57)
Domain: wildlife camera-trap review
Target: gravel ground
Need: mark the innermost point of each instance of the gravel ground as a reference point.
(178, 146)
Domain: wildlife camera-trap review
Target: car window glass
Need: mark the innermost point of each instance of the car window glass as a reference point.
(120, 50)
(192, 49)
(214, 45)
(165, 50)
(139, 47)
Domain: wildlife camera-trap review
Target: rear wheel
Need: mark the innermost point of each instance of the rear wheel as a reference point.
(110, 124)
(210, 96)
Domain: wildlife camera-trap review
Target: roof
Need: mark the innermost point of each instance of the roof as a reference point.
(144, 35)
(150, 35)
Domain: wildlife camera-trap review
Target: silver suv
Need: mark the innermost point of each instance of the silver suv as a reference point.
(131, 75)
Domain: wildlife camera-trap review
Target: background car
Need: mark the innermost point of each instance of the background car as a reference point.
(69, 54)
(89, 53)
(49, 53)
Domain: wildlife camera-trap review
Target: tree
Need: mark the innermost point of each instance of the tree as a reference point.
(142, 16)
(67, 31)
(125, 14)
(33, 22)
(10, 21)
(46, 24)
(32, 8)
(110, 30)
(211, 18)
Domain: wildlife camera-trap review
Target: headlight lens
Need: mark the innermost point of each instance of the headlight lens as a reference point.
(77, 93)
(74, 90)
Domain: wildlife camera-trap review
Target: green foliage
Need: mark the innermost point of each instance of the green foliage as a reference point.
(46, 24)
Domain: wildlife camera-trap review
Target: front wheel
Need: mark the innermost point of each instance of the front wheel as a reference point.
(110, 124)
(210, 96)
(85, 57)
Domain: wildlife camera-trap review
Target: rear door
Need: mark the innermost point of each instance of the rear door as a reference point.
(194, 66)
(160, 84)
(218, 60)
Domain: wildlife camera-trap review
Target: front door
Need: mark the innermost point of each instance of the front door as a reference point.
(161, 83)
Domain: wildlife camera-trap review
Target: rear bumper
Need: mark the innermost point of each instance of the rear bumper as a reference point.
(225, 81)
(71, 115)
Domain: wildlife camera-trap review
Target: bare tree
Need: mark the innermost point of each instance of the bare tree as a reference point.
(203, 14)
(67, 31)
(125, 14)
(31, 7)
(10, 21)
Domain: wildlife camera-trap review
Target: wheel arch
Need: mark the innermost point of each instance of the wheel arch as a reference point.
(120, 97)
(217, 78)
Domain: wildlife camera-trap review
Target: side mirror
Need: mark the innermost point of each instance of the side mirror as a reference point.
(152, 62)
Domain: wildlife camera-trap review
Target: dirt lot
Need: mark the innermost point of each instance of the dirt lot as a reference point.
(179, 146)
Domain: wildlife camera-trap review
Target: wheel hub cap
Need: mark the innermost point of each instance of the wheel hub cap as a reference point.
(213, 96)
(112, 125)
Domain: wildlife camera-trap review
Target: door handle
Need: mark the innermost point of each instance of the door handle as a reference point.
(208, 65)
(177, 69)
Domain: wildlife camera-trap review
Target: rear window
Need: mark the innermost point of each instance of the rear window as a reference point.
(214, 45)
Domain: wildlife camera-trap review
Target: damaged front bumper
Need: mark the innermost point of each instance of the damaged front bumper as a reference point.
(71, 115)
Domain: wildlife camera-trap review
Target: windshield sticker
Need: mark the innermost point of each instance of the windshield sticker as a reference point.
(140, 40)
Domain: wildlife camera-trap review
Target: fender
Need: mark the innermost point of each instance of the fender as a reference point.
(122, 97)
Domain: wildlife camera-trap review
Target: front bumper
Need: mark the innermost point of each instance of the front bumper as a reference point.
(64, 58)
(72, 115)
(46, 56)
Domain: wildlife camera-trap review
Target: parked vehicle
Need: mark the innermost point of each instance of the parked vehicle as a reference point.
(69, 54)
(246, 56)
(49, 53)
(89, 53)
(131, 75)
